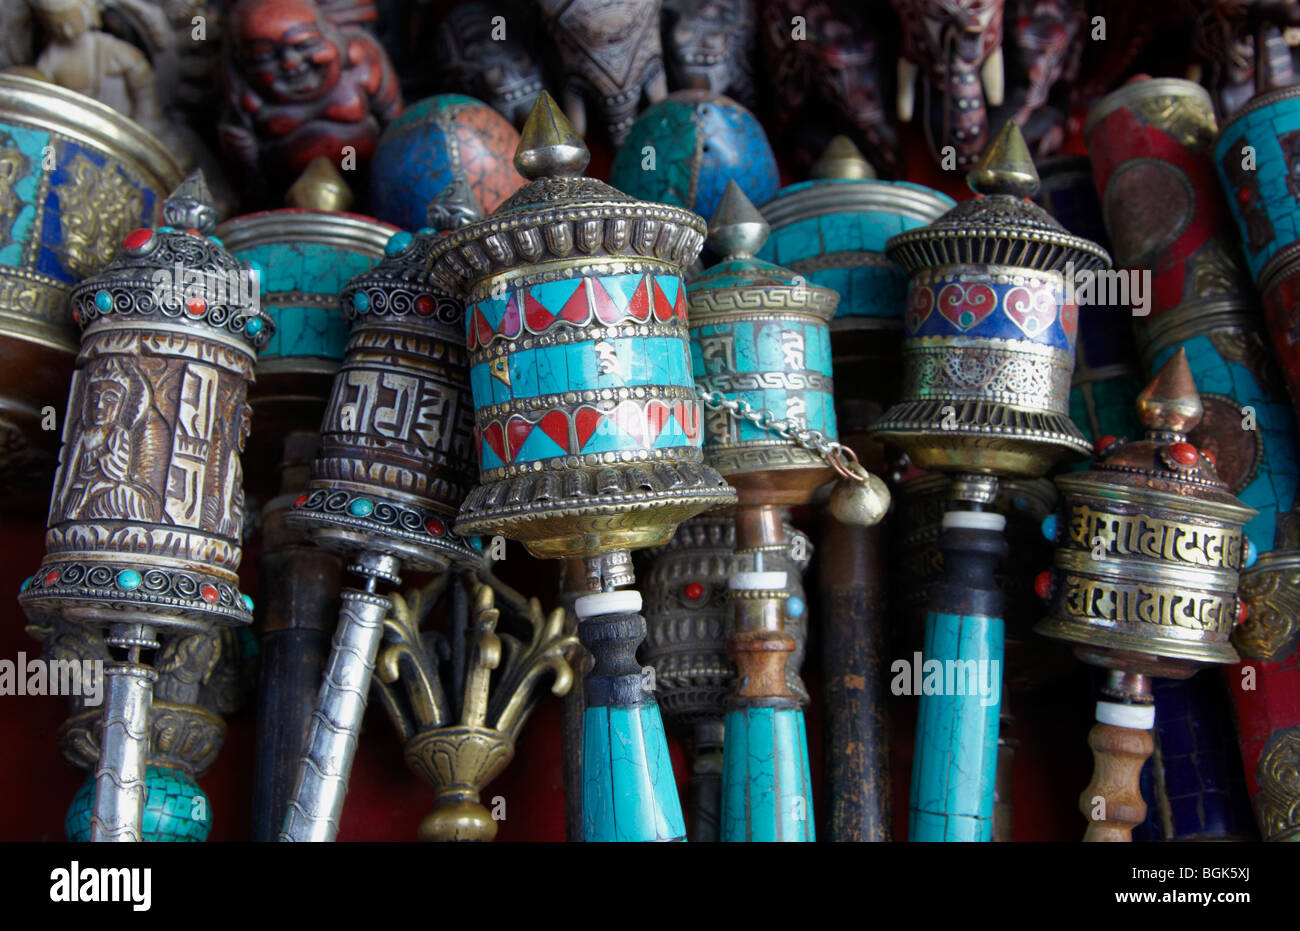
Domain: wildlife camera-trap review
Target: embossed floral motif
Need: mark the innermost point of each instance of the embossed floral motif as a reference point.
(97, 207)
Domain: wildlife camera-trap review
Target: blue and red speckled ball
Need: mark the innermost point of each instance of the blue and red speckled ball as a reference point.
(697, 142)
(439, 140)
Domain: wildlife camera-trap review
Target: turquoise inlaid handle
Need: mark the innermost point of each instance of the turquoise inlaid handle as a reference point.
(957, 730)
(628, 789)
(766, 784)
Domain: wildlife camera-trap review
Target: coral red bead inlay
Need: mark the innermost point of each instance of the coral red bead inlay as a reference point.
(1184, 454)
(137, 239)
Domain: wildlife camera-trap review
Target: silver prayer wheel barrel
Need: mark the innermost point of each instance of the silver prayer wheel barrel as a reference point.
(147, 511)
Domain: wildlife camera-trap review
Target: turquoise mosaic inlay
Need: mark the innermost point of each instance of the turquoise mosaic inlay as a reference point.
(175, 808)
(844, 249)
(782, 366)
(24, 156)
(766, 783)
(1262, 197)
(628, 789)
(301, 282)
(956, 754)
(1273, 489)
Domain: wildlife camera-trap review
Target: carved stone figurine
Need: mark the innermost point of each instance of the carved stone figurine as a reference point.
(81, 57)
(300, 87)
(709, 46)
(611, 55)
(484, 58)
(956, 46)
(823, 53)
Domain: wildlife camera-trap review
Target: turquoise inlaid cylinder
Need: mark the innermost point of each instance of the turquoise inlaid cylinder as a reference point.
(1266, 473)
(1257, 154)
(766, 782)
(629, 793)
(759, 335)
(586, 421)
(305, 258)
(833, 231)
(175, 808)
(614, 342)
(956, 753)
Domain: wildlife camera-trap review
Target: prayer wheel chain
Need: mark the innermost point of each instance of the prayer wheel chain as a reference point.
(838, 456)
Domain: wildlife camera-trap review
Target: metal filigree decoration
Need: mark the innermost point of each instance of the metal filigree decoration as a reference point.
(459, 750)
(1271, 591)
(1278, 774)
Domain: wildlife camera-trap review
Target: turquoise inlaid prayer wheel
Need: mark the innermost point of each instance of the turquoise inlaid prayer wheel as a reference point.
(588, 427)
(833, 230)
(1257, 153)
(988, 353)
(759, 334)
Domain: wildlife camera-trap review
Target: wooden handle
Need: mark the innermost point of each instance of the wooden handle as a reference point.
(1112, 802)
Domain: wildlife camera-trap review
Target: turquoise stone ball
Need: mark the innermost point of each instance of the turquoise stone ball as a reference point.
(175, 808)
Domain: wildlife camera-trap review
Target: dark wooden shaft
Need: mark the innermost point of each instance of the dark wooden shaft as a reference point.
(856, 669)
(300, 609)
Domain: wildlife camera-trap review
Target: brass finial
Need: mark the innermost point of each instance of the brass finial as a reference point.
(454, 206)
(1006, 167)
(190, 206)
(320, 187)
(549, 146)
(1170, 402)
(842, 159)
(737, 229)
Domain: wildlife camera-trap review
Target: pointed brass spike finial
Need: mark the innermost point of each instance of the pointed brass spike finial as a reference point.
(454, 206)
(190, 206)
(1006, 167)
(737, 229)
(548, 145)
(842, 159)
(320, 187)
(1170, 402)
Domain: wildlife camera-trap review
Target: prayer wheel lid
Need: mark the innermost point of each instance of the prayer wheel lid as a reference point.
(215, 290)
(1164, 461)
(738, 231)
(401, 282)
(1000, 226)
(562, 216)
